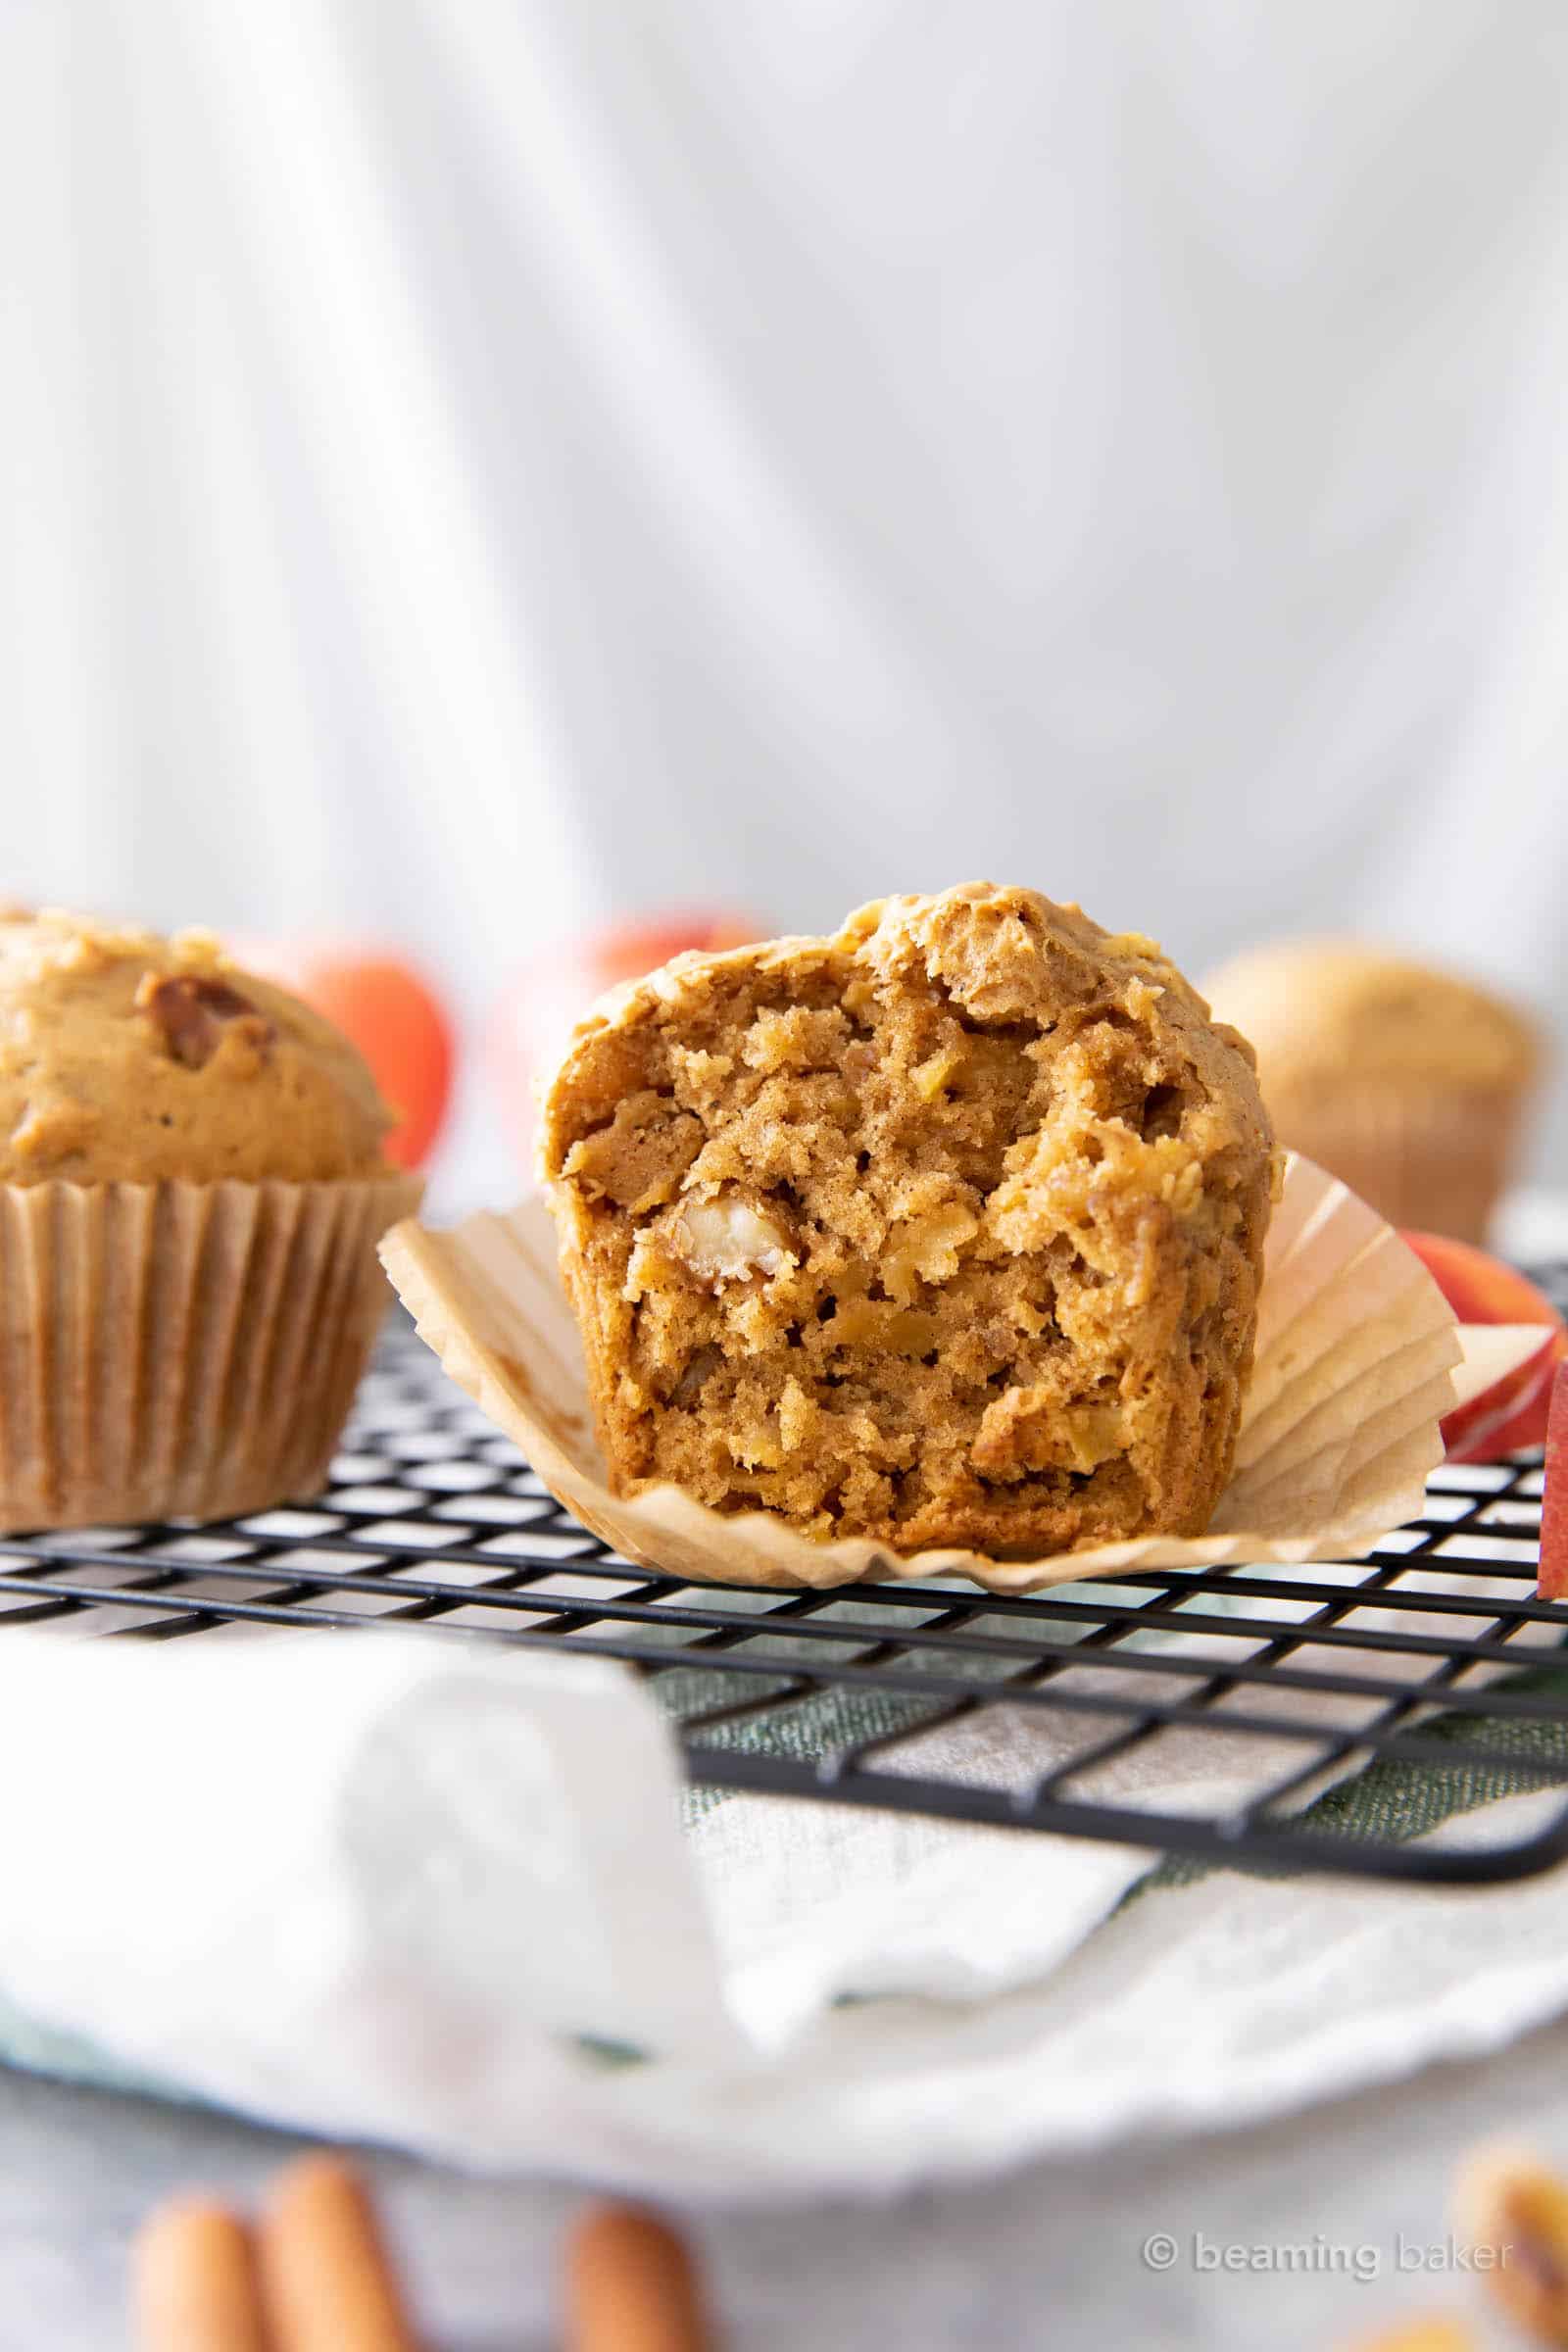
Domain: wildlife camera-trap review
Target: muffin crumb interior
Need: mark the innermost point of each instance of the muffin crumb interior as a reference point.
(945, 1230)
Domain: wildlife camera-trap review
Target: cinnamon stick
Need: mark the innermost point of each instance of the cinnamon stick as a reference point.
(326, 2284)
(195, 2282)
(631, 2285)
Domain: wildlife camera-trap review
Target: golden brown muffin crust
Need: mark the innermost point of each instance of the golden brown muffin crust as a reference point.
(1324, 1012)
(125, 1058)
(947, 1229)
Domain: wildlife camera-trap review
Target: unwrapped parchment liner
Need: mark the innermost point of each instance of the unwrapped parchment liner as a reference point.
(1356, 1348)
(181, 1350)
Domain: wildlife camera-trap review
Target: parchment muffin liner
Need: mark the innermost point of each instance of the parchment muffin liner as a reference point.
(1357, 1351)
(181, 1350)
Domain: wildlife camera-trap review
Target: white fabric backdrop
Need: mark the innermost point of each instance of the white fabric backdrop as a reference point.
(468, 467)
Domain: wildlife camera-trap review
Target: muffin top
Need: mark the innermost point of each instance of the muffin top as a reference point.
(129, 1058)
(1321, 1012)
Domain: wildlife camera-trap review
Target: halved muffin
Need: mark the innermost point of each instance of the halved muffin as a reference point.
(947, 1230)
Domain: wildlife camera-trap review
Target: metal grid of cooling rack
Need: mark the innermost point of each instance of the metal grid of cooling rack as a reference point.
(1094, 1711)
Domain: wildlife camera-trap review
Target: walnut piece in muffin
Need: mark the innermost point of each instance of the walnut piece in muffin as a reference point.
(129, 1058)
(947, 1230)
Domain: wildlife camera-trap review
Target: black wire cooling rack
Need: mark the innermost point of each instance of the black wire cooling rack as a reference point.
(1095, 1711)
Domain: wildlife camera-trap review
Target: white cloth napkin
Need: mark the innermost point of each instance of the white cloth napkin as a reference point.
(419, 1889)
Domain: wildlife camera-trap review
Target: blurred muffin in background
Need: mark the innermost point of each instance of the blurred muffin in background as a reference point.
(1411, 1084)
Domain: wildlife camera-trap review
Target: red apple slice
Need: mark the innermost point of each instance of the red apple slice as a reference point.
(1505, 1391)
(1552, 1583)
(1510, 1412)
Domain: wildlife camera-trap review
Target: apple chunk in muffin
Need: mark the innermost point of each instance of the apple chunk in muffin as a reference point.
(945, 1230)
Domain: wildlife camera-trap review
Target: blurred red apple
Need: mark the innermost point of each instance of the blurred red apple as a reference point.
(390, 1011)
(1482, 1289)
(1552, 1584)
(554, 989)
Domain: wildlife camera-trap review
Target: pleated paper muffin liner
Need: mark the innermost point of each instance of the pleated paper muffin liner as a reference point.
(1437, 1158)
(181, 1350)
(1357, 1356)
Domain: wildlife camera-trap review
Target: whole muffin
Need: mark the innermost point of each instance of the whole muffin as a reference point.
(945, 1230)
(192, 1185)
(1408, 1083)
